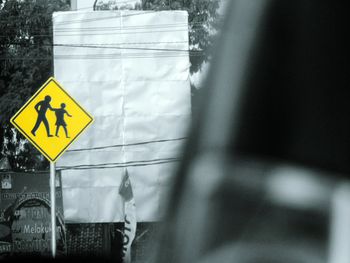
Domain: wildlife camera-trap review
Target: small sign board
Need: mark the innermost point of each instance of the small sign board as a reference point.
(51, 120)
(25, 215)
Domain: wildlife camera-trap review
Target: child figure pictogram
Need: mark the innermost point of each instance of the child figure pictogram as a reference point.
(60, 119)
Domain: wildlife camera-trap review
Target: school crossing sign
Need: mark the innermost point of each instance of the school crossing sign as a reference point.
(51, 120)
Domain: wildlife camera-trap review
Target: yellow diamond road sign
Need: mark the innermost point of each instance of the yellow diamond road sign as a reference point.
(51, 120)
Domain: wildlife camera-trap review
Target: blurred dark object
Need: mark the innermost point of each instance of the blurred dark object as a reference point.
(295, 101)
(95, 240)
(144, 242)
(87, 239)
(271, 140)
(104, 241)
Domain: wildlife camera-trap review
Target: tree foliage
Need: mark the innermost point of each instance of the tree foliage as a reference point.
(25, 63)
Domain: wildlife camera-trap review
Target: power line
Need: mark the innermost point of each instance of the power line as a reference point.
(101, 45)
(112, 56)
(128, 145)
(9, 24)
(117, 166)
(108, 56)
(67, 22)
(159, 51)
(100, 33)
(133, 1)
(120, 33)
(106, 28)
(121, 48)
(120, 163)
(116, 33)
(102, 18)
(91, 19)
(131, 27)
(136, 43)
(123, 55)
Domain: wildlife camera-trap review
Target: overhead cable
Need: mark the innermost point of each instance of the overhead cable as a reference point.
(118, 166)
(127, 145)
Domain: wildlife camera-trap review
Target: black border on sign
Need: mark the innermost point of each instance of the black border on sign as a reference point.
(13, 119)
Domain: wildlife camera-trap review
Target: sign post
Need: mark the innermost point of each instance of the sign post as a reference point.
(52, 106)
(53, 207)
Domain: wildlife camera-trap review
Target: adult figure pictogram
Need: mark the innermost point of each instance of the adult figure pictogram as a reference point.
(60, 119)
(41, 107)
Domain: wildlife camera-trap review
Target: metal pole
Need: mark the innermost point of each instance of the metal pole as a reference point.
(53, 207)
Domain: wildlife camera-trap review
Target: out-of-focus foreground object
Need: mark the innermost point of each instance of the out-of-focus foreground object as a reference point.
(270, 146)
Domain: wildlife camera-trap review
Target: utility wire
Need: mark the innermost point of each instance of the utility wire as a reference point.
(116, 33)
(92, 19)
(119, 48)
(105, 28)
(100, 33)
(103, 18)
(117, 166)
(133, 1)
(127, 145)
(130, 27)
(95, 44)
(159, 52)
(68, 22)
(110, 56)
(120, 163)
(97, 34)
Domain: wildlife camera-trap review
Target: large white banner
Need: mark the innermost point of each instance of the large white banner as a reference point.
(130, 70)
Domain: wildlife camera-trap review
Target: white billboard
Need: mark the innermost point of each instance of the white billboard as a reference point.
(130, 70)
